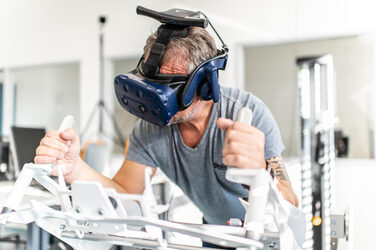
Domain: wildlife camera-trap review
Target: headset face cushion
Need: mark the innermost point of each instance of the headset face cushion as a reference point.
(200, 81)
(205, 90)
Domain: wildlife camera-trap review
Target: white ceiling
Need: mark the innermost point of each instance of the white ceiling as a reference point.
(41, 31)
(279, 20)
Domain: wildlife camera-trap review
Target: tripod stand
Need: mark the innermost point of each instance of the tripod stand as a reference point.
(101, 106)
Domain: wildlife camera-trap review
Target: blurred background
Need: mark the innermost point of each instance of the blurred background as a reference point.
(50, 67)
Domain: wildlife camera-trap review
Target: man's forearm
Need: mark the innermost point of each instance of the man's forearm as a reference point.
(83, 172)
(283, 182)
(278, 167)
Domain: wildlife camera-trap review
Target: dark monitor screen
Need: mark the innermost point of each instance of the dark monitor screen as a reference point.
(26, 141)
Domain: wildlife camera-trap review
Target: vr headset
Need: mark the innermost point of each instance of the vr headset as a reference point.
(156, 97)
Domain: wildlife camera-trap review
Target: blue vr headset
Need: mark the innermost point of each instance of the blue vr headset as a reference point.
(156, 97)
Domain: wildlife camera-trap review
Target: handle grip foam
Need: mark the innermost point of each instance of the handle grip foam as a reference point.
(66, 123)
(245, 115)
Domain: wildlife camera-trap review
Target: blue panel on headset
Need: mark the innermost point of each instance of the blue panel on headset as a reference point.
(155, 103)
(208, 69)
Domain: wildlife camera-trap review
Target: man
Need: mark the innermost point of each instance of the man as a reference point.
(196, 147)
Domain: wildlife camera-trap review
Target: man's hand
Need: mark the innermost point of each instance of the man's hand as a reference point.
(244, 148)
(62, 148)
(244, 145)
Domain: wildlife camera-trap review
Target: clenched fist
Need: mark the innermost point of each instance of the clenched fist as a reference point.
(62, 148)
(244, 145)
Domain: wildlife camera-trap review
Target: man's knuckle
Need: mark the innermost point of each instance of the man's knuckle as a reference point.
(237, 125)
(230, 134)
(51, 133)
(235, 159)
(224, 160)
(44, 141)
(39, 150)
(232, 146)
(224, 150)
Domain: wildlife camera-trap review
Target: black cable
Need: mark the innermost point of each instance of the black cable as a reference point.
(224, 46)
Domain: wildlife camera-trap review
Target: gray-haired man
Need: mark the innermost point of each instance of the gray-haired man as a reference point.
(196, 147)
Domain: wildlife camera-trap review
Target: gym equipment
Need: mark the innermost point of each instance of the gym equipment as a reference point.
(94, 217)
(316, 93)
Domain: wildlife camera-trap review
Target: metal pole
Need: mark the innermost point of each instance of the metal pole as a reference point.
(102, 22)
(101, 104)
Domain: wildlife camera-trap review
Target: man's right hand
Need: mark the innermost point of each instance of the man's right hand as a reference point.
(62, 148)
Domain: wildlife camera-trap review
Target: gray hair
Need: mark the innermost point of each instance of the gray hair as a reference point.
(197, 47)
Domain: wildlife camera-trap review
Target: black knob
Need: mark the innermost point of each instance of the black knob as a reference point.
(125, 101)
(141, 108)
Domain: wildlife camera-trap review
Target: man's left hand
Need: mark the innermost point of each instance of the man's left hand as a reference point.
(244, 145)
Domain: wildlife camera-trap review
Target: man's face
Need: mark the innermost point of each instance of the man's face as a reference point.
(176, 66)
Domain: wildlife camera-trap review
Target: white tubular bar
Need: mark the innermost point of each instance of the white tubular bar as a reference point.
(257, 197)
(48, 184)
(16, 195)
(66, 204)
(258, 193)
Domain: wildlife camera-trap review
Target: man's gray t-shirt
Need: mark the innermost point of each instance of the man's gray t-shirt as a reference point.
(199, 171)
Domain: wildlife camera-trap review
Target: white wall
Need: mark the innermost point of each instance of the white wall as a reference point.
(354, 185)
(125, 120)
(271, 75)
(44, 32)
(46, 94)
(40, 32)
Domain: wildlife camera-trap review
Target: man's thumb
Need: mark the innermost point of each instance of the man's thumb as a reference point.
(70, 135)
(224, 123)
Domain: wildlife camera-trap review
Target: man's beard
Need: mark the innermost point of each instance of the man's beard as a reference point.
(184, 118)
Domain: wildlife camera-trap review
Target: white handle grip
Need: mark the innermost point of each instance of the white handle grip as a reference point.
(245, 115)
(66, 204)
(66, 123)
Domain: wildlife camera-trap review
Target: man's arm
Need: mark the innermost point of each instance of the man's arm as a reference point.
(129, 178)
(64, 148)
(283, 182)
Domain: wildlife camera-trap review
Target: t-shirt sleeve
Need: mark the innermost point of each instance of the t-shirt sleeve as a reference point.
(139, 149)
(264, 120)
